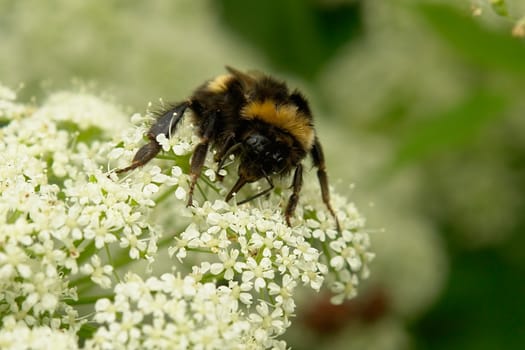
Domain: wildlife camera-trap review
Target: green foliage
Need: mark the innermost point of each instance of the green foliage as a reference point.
(449, 129)
(479, 45)
(500, 7)
(295, 35)
(487, 52)
(84, 135)
(476, 313)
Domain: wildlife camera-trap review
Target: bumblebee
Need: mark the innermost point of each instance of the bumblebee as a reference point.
(255, 118)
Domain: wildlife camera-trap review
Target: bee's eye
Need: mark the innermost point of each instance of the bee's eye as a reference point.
(257, 143)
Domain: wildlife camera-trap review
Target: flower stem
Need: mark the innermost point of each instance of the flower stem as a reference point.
(112, 263)
(87, 252)
(91, 299)
(165, 195)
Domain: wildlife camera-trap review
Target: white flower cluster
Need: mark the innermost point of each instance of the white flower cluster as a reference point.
(174, 312)
(68, 228)
(19, 336)
(58, 210)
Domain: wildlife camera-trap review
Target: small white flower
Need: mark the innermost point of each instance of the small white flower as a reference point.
(99, 273)
(229, 264)
(164, 142)
(305, 250)
(105, 310)
(242, 291)
(180, 193)
(150, 188)
(259, 272)
(271, 322)
(312, 277)
(284, 293)
(134, 245)
(337, 262)
(210, 174)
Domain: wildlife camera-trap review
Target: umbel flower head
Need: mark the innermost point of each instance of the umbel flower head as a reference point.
(70, 231)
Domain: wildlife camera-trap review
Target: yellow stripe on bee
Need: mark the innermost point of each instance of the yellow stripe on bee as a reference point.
(220, 83)
(286, 117)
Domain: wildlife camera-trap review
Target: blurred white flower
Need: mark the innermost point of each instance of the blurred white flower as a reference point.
(98, 273)
(16, 336)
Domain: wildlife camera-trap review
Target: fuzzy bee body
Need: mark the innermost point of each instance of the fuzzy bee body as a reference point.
(254, 117)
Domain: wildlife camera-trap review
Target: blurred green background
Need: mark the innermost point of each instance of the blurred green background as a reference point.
(419, 106)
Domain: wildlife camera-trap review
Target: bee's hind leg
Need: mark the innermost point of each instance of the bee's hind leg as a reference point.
(165, 124)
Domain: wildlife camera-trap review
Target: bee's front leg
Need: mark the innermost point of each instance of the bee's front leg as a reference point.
(199, 154)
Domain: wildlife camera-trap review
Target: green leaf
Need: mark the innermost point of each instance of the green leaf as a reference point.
(500, 7)
(299, 36)
(84, 135)
(4, 122)
(479, 45)
(12, 216)
(450, 129)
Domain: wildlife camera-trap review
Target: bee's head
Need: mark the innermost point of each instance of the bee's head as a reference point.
(261, 157)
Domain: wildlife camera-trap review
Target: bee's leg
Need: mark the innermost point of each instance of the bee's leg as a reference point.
(199, 154)
(241, 181)
(294, 198)
(165, 124)
(262, 193)
(224, 147)
(223, 155)
(319, 162)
